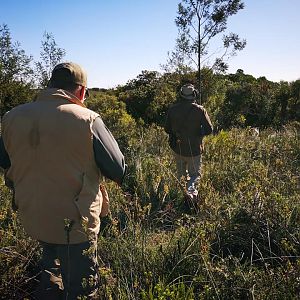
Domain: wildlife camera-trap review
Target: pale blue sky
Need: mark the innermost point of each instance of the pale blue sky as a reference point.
(115, 40)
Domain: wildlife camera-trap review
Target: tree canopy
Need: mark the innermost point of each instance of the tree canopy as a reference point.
(199, 22)
(16, 74)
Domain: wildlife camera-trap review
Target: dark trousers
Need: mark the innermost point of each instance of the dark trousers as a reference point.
(68, 271)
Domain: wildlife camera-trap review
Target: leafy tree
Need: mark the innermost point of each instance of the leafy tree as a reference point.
(288, 101)
(114, 115)
(148, 96)
(139, 93)
(50, 56)
(283, 96)
(198, 22)
(15, 72)
(294, 104)
(240, 77)
(248, 102)
(164, 95)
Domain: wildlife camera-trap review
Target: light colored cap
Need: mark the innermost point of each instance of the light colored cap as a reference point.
(73, 74)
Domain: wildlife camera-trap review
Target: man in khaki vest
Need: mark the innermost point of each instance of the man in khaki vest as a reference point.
(187, 123)
(55, 151)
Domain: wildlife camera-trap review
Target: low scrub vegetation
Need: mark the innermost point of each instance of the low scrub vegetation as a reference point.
(241, 241)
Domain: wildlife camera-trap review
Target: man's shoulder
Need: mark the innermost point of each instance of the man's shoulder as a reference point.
(199, 107)
(81, 112)
(17, 109)
(195, 104)
(89, 111)
(177, 105)
(185, 105)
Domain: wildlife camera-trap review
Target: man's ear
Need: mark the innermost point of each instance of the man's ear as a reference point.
(81, 93)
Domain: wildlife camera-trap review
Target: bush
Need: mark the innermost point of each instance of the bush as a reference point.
(241, 242)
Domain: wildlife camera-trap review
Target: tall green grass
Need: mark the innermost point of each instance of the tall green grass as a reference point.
(241, 241)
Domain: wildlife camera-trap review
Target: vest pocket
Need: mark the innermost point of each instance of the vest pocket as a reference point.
(89, 203)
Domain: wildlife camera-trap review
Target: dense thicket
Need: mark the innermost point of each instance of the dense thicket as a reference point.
(233, 100)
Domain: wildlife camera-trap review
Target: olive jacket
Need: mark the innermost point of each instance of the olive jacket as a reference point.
(187, 123)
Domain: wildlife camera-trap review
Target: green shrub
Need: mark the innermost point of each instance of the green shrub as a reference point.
(241, 242)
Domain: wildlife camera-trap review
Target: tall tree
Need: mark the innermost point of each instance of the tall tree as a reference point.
(50, 56)
(199, 22)
(15, 72)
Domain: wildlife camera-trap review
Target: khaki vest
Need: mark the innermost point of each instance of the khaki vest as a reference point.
(55, 176)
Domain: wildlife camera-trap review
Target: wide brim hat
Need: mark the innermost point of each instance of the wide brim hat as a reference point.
(188, 92)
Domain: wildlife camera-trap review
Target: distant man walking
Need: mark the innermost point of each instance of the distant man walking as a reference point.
(187, 123)
(55, 150)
